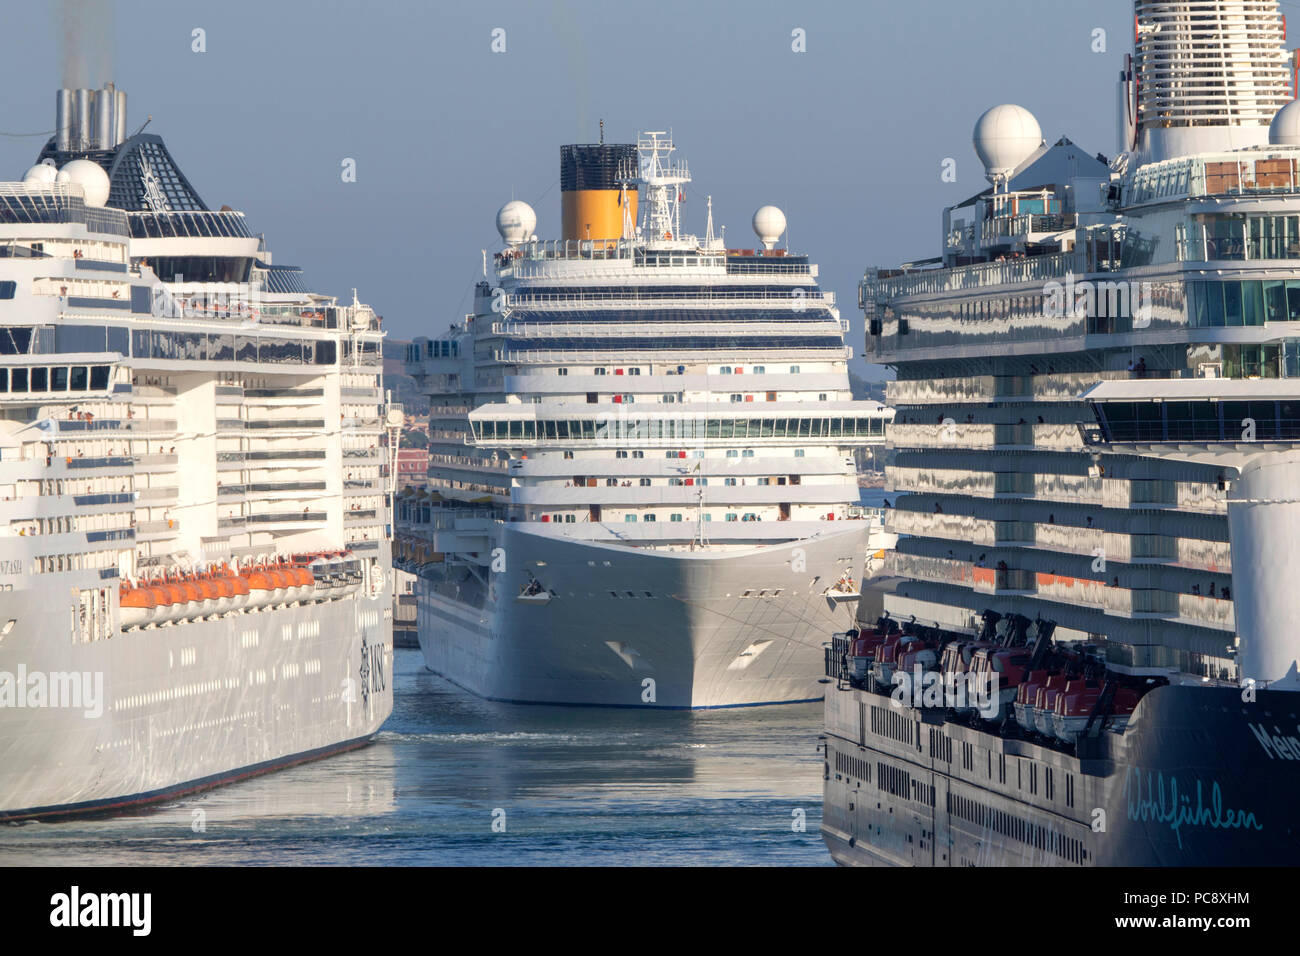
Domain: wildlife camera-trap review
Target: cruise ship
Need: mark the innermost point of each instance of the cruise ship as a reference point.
(194, 487)
(642, 484)
(1096, 449)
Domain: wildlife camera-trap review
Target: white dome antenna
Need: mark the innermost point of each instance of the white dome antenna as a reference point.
(1005, 137)
(769, 225)
(40, 174)
(1285, 128)
(90, 176)
(516, 221)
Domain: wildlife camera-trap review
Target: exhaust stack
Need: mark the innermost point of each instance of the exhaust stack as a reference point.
(88, 120)
(591, 190)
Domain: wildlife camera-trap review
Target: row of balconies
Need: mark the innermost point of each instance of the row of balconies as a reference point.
(1100, 594)
(1202, 497)
(1127, 547)
(983, 435)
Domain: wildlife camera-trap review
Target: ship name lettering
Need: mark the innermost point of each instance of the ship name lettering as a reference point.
(1275, 745)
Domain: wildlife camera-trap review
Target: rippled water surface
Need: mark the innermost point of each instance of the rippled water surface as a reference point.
(573, 786)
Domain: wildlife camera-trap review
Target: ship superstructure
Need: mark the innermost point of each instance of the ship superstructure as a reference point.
(194, 554)
(642, 485)
(1087, 377)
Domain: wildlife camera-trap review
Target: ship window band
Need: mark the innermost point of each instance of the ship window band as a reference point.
(672, 429)
(7, 289)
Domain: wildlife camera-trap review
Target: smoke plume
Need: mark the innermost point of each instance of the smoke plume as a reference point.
(86, 33)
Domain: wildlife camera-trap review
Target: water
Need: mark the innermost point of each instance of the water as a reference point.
(578, 786)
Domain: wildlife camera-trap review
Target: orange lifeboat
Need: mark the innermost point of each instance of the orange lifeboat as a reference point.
(225, 590)
(208, 588)
(193, 594)
(177, 598)
(238, 586)
(136, 605)
(303, 583)
(261, 588)
(282, 584)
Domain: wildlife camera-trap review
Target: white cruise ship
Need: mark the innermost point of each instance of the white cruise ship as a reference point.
(194, 500)
(1098, 418)
(642, 478)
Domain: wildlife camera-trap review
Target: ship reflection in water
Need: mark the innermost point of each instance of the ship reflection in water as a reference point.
(588, 786)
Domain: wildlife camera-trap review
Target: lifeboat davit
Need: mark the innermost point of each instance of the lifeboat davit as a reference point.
(136, 605)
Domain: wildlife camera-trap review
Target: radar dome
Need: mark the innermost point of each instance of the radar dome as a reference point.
(90, 176)
(769, 224)
(1285, 128)
(40, 173)
(516, 221)
(1005, 136)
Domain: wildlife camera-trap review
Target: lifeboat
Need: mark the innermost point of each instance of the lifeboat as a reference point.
(1045, 704)
(341, 582)
(307, 583)
(1074, 706)
(863, 650)
(225, 591)
(350, 569)
(211, 593)
(1008, 668)
(136, 605)
(319, 569)
(882, 669)
(279, 585)
(239, 599)
(261, 588)
(914, 654)
(1026, 694)
(177, 600)
(162, 600)
(194, 593)
(302, 565)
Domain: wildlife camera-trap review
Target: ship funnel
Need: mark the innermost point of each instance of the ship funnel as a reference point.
(87, 120)
(1209, 75)
(64, 119)
(591, 190)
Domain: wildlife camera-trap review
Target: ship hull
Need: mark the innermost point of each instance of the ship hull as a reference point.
(1191, 782)
(186, 707)
(635, 627)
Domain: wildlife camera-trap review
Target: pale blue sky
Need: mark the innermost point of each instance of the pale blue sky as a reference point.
(847, 137)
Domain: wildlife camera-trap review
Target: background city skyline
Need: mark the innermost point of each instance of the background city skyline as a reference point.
(848, 137)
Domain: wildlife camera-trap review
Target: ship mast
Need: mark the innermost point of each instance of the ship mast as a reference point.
(662, 179)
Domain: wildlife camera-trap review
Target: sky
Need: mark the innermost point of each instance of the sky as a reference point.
(848, 136)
